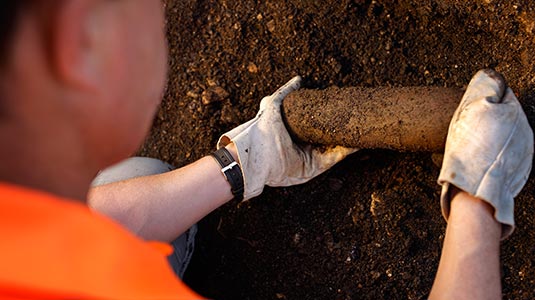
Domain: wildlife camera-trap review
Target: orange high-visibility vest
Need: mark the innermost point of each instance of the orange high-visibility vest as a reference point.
(53, 248)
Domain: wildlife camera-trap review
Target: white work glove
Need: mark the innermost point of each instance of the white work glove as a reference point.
(489, 148)
(267, 154)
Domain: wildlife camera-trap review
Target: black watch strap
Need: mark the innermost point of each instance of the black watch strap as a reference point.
(231, 170)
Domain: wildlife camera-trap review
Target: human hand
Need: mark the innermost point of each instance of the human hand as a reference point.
(489, 148)
(267, 154)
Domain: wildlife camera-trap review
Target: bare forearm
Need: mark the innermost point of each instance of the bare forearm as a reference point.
(161, 207)
(469, 267)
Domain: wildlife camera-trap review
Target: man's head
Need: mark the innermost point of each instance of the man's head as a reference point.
(82, 78)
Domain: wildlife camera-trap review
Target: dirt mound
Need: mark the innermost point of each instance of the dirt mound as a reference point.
(370, 228)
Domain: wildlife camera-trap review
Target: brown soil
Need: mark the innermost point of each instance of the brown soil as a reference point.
(370, 228)
(401, 118)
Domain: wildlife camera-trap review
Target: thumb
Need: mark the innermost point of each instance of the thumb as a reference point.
(486, 84)
(276, 98)
(327, 157)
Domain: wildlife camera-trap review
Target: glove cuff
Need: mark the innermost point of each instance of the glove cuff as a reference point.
(500, 199)
(254, 176)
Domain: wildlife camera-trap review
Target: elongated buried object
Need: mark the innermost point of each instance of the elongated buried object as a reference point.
(404, 119)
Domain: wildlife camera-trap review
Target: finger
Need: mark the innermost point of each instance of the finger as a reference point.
(283, 91)
(330, 156)
(293, 85)
(486, 84)
(345, 151)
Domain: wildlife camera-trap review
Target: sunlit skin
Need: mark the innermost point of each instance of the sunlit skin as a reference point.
(470, 263)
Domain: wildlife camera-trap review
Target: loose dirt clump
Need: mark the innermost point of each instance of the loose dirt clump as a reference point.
(369, 228)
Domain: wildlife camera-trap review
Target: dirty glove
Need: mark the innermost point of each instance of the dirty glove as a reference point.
(267, 154)
(489, 149)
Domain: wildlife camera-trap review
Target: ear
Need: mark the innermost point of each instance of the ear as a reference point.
(75, 56)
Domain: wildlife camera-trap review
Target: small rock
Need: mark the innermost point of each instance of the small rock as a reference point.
(192, 94)
(271, 26)
(211, 82)
(376, 205)
(214, 94)
(252, 68)
(375, 274)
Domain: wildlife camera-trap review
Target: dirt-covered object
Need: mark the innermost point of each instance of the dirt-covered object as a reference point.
(405, 119)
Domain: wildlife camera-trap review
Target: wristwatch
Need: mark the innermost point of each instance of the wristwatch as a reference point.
(231, 170)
